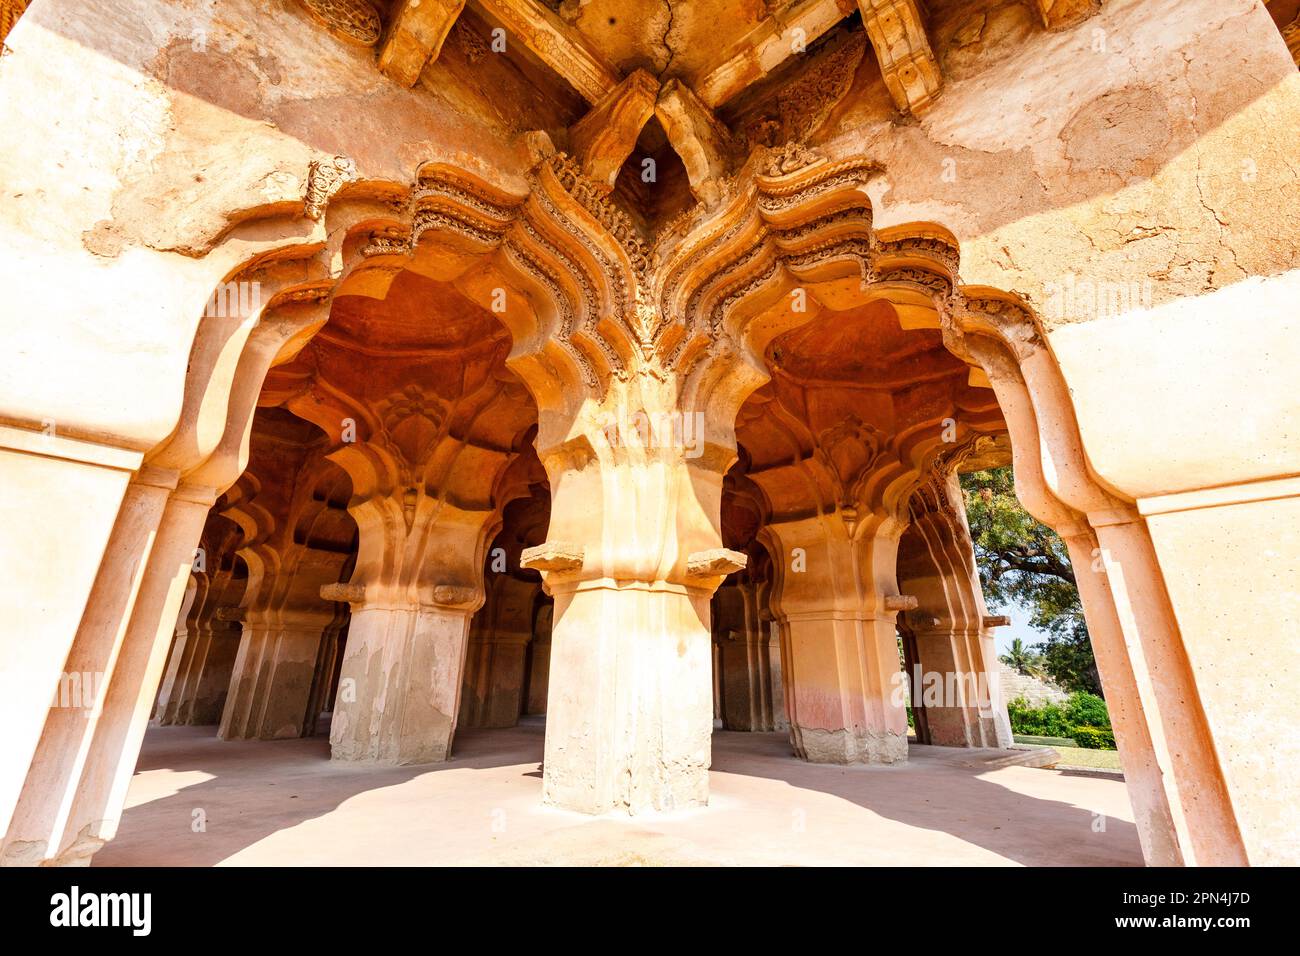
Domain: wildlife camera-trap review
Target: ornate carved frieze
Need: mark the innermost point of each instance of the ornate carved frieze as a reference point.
(354, 21)
(790, 158)
(617, 304)
(805, 103)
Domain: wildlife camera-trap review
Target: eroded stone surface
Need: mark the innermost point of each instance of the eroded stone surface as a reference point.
(841, 264)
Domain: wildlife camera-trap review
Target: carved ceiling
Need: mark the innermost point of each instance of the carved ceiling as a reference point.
(856, 416)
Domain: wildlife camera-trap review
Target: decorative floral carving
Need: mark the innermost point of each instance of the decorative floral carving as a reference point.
(850, 450)
(324, 178)
(355, 21)
(790, 158)
(473, 46)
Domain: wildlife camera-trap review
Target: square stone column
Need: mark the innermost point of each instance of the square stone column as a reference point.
(399, 689)
(415, 589)
(836, 601)
(632, 559)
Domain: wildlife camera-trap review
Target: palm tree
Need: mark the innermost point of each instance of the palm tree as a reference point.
(1022, 659)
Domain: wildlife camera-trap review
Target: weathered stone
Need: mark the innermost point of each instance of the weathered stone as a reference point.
(325, 315)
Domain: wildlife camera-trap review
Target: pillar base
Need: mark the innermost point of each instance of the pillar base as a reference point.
(817, 745)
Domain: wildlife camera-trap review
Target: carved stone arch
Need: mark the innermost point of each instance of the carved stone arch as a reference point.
(572, 257)
(1175, 782)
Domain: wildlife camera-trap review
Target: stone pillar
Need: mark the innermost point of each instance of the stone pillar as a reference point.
(181, 653)
(90, 817)
(954, 676)
(321, 698)
(632, 558)
(271, 683)
(837, 600)
(766, 621)
(539, 660)
(284, 623)
(749, 677)
(495, 668)
(417, 584)
(196, 694)
(72, 799)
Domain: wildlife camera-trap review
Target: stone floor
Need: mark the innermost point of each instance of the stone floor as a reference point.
(284, 803)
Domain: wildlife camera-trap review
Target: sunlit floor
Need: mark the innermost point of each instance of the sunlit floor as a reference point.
(199, 801)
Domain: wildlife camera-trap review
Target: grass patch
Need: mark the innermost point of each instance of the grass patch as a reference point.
(1044, 741)
(1094, 759)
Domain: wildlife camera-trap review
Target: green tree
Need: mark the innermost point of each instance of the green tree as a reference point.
(1022, 561)
(1022, 659)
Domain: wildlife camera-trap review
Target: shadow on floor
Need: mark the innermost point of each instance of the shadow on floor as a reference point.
(938, 790)
(256, 789)
(269, 786)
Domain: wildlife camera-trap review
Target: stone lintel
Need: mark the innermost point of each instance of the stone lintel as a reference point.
(553, 556)
(415, 35)
(897, 33)
(770, 45)
(702, 142)
(996, 620)
(714, 562)
(555, 44)
(603, 139)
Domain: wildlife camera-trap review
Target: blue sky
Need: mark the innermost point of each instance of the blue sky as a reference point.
(1003, 636)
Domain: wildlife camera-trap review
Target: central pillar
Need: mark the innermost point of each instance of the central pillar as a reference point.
(632, 559)
(836, 600)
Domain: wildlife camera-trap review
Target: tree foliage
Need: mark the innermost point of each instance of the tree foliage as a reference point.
(1022, 561)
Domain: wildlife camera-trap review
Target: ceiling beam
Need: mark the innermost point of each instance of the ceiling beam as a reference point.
(897, 32)
(555, 44)
(415, 33)
(767, 47)
(1060, 14)
(603, 139)
(702, 142)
